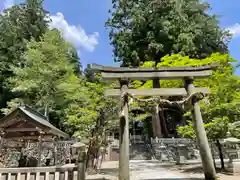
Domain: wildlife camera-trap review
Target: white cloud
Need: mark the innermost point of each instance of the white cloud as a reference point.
(74, 34)
(234, 30)
(71, 33)
(8, 4)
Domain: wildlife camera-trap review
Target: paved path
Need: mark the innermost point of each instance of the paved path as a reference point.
(143, 170)
(152, 170)
(149, 170)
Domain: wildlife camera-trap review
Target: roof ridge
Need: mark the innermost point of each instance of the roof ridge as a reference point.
(29, 108)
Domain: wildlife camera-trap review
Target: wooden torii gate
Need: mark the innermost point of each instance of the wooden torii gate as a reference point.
(187, 74)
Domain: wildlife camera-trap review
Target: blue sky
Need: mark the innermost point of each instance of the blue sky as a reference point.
(82, 23)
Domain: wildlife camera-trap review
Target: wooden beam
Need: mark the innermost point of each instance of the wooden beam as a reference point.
(21, 129)
(155, 92)
(152, 75)
(44, 138)
(113, 69)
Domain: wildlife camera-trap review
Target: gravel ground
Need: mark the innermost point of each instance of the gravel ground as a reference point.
(153, 170)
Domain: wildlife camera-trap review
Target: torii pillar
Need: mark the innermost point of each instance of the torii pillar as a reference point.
(124, 134)
(201, 136)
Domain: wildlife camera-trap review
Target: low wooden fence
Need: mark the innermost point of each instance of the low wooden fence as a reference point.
(66, 172)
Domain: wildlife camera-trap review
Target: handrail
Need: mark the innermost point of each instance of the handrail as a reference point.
(150, 149)
(70, 167)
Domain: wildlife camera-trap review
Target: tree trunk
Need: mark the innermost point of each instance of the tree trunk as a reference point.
(155, 114)
(163, 123)
(214, 162)
(220, 154)
(90, 160)
(90, 155)
(153, 126)
(156, 121)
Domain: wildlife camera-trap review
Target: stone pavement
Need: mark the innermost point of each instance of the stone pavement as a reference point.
(150, 170)
(142, 170)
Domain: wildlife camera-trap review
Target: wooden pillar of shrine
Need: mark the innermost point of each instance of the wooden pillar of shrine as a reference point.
(40, 137)
(124, 134)
(2, 133)
(55, 144)
(205, 152)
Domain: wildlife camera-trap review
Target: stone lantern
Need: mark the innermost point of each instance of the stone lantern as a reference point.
(161, 151)
(79, 153)
(181, 150)
(232, 149)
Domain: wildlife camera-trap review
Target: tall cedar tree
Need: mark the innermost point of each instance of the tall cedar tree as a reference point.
(18, 25)
(146, 30)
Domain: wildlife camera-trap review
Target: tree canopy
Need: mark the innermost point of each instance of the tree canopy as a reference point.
(148, 30)
(46, 71)
(18, 24)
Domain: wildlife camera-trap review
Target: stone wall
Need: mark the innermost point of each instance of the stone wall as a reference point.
(180, 149)
(27, 155)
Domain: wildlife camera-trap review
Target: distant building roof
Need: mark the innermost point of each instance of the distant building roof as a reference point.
(34, 116)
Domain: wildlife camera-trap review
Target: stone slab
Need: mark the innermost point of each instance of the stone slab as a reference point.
(234, 167)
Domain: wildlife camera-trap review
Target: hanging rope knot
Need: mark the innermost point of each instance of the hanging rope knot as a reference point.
(123, 95)
(195, 96)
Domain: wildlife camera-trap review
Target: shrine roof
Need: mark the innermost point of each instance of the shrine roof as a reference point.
(35, 116)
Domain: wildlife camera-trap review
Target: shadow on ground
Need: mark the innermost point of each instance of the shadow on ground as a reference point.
(160, 179)
(175, 179)
(109, 171)
(187, 168)
(196, 169)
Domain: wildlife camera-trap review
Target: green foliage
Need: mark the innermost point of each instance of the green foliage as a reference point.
(225, 68)
(148, 30)
(222, 106)
(187, 131)
(216, 129)
(46, 73)
(90, 115)
(234, 129)
(75, 60)
(89, 109)
(18, 25)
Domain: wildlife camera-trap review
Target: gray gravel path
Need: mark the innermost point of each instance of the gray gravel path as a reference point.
(152, 170)
(143, 170)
